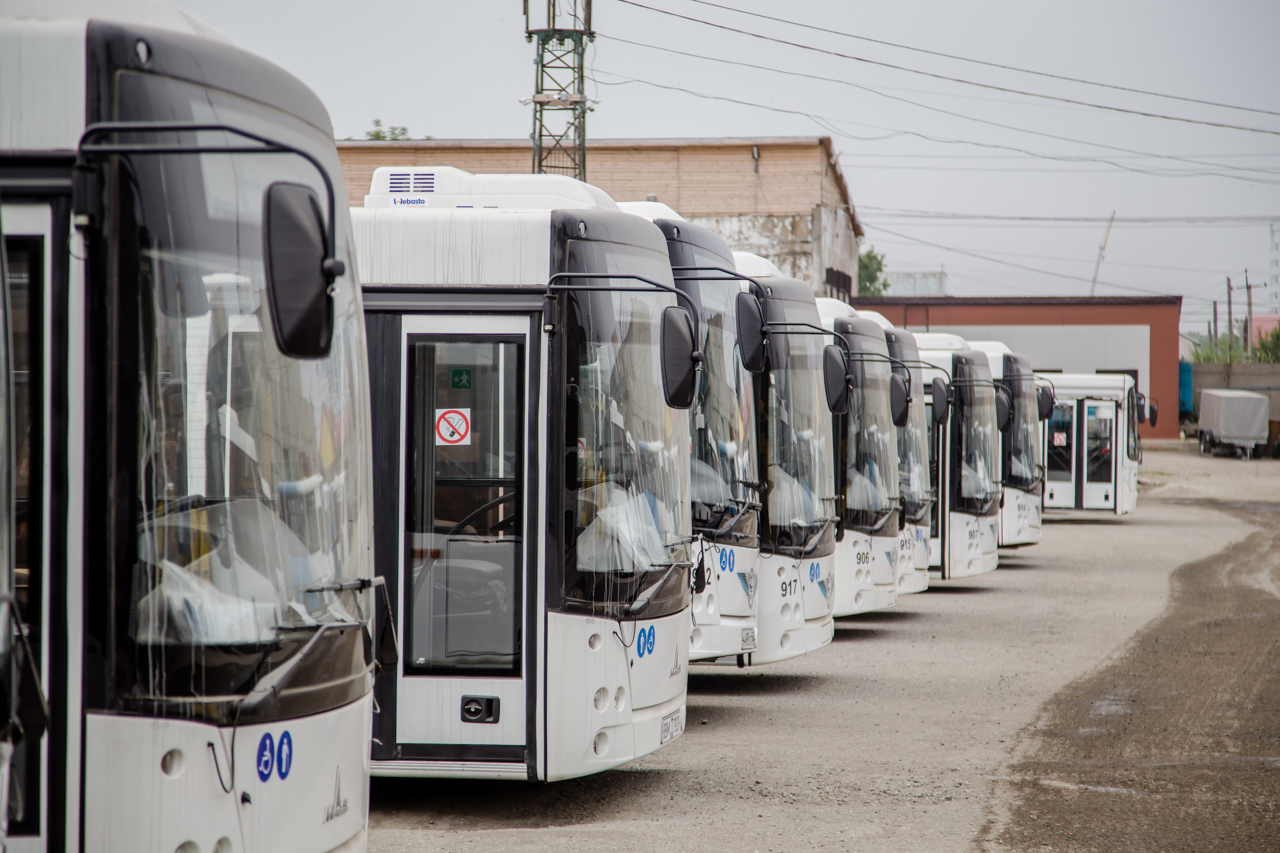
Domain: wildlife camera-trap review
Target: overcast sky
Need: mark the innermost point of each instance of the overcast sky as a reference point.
(459, 70)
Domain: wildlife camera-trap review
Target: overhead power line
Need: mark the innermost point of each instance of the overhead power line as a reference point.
(986, 63)
(1026, 268)
(1193, 220)
(829, 125)
(950, 79)
(874, 91)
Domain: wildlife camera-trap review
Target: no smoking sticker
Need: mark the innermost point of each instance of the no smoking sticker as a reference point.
(453, 426)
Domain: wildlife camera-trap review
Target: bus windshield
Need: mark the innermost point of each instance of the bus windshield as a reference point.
(723, 422)
(979, 442)
(801, 490)
(251, 471)
(913, 444)
(628, 554)
(1024, 436)
(872, 489)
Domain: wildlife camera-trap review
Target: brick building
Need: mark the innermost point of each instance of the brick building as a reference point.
(1066, 334)
(781, 197)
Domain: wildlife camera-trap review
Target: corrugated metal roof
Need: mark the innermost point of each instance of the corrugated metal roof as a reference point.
(872, 301)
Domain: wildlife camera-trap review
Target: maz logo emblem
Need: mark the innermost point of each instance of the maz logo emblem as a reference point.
(338, 807)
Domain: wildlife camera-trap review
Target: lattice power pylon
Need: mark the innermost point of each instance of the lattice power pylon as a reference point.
(559, 99)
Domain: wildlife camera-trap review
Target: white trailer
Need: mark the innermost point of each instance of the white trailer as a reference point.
(1235, 419)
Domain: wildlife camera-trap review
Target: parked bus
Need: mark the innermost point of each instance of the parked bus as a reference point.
(1091, 443)
(531, 363)
(797, 540)
(919, 493)
(1021, 454)
(963, 535)
(191, 456)
(725, 466)
(869, 540)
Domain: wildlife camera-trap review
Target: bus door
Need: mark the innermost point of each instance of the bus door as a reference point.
(466, 561)
(1060, 458)
(1099, 454)
(29, 248)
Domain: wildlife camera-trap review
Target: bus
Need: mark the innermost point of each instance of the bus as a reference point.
(191, 450)
(1021, 455)
(919, 493)
(798, 527)
(531, 365)
(963, 526)
(1090, 443)
(726, 487)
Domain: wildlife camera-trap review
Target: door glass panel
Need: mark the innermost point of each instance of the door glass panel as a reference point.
(1060, 441)
(25, 268)
(465, 507)
(1100, 422)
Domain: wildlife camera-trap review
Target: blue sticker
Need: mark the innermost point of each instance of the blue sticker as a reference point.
(724, 559)
(813, 572)
(731, 561)
(642, 642)
(284, 758)
(266, 757)
(650, 640)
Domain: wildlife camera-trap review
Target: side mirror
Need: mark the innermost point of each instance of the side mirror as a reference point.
(1044, 402)
(751, 332)
(700, 574)
(940, 401)
(678, 366)
(1155, 411)
(898, 403)
(833, 376)
(1142, 408)
(1004, 409)
(298, 271)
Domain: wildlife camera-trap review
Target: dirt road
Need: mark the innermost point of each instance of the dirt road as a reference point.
(936, 725)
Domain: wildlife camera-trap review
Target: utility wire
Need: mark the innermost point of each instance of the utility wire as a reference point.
(951, 79)
(827, 123)
(1145, 220)
(1024, 267)
(901, 99)
(984, 62)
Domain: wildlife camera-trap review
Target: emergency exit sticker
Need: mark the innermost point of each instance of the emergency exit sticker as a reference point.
(453, 426)
(461, 379)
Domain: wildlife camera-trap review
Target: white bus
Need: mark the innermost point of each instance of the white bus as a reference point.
(963, 535)
(192, 485)
(533, 485)
(797, 538)
(724, 467)
(1091, 444)
(919, 494)
(1021, 454)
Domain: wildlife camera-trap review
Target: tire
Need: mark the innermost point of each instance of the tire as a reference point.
(1206, 447)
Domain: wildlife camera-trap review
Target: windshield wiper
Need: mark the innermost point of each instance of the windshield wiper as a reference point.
(640, 604)
(270, 685)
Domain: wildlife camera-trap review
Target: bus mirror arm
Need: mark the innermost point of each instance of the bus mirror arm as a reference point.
(30, 718)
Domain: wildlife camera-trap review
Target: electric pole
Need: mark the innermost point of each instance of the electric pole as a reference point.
(1248, 295)
(559, 97)
(1231, 329)
(1101, 251)
(1215, 323)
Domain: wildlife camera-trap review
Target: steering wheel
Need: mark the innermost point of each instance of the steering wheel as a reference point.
(467, 519)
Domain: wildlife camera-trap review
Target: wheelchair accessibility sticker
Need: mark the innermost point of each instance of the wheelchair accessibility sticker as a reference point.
(644, 641)
(273, 756)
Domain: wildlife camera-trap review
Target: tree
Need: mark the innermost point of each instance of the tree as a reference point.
(391, 134)
(870, 267)
(1266, 350)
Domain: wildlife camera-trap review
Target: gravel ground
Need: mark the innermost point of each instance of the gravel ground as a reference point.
(932, 725)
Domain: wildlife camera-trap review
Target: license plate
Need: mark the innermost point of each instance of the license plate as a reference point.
(672, 726)
(748, 639)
